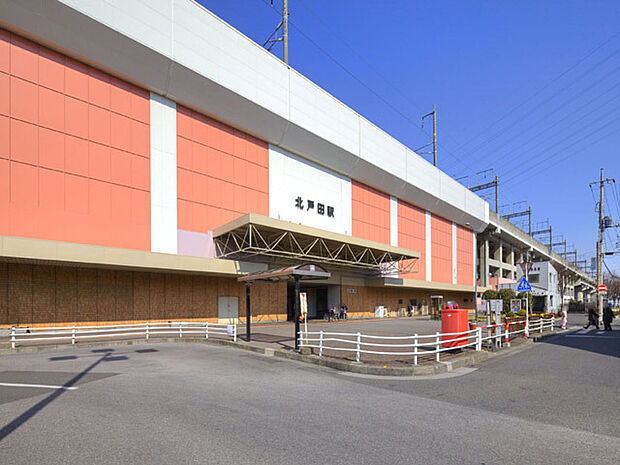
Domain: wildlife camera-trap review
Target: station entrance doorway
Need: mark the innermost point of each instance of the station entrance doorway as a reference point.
(316, 296)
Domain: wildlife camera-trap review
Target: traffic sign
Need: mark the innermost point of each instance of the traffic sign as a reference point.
(602, 288)
(524, 285)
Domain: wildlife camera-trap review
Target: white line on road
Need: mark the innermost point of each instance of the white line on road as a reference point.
(592, 336)
(44, 386)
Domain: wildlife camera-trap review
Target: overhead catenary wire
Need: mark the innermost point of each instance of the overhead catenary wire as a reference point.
(577, 118)
(412, 122)
(529, 170)
(544, 87)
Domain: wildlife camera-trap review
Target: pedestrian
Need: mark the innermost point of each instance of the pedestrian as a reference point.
(564, 316)
(592, 318)
(344, 312)
(608, 316)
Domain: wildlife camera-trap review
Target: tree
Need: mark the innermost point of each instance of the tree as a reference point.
(565, 279)
(507, 295)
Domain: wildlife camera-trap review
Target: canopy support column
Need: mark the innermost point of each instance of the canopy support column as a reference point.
(248, 313)
(296, 308)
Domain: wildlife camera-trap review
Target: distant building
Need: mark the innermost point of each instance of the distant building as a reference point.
(545, 287)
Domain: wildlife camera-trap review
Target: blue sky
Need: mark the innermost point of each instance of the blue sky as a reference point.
(529, 88)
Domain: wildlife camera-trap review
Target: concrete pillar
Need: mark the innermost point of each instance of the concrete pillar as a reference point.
(512, 274)
(498, 254)
(483, 261)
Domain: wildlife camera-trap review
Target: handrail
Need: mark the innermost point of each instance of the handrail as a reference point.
(360, 343)
(146, 330)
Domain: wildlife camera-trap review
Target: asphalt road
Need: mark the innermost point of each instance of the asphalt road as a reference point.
(551, 402)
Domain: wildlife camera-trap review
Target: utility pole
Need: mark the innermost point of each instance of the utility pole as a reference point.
(599, 248)
(434, 143)
(273, 38)
(434, 135)
(285, 29)
(602, 225)
(496, 196)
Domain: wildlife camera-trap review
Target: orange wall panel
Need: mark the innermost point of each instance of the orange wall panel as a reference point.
(370, 213)
(222, 173)
(74, 150)
(464, 256)
(441, 250)
(412, 235)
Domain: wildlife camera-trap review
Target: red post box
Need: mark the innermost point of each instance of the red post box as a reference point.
(454, 320)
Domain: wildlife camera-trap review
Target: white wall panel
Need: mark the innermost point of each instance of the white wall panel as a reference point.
(428, 258)
(317, 111)
(291, 177)
(148, 21)
(454, 255)
(377, 147)
(393, 221)
(213, 48)
(163, 175)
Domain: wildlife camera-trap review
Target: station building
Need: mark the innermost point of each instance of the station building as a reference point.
(151, 154)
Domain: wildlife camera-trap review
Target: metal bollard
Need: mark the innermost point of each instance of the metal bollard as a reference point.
(437, 346)
(415, 349)
(359, 341)
(73, 335)
(147, 332)
(207, 330)
(321, 343)
(235, 332)
(12, 337)
(479, 335)
(507, 341)
(180, 330)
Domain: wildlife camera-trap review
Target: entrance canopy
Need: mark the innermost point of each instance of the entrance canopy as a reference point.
(301, 272)
(255, 235)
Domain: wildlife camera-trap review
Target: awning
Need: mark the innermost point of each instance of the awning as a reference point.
(254, 235)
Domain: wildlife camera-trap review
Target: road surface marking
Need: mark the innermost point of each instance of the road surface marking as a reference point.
(600, 332)
(591, 336)
(44, 386)
(583, 331)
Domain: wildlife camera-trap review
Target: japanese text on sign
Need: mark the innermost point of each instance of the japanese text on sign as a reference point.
(308, 205)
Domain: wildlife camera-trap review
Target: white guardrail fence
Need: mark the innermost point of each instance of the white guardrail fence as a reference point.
(420, 344)
(74, 334)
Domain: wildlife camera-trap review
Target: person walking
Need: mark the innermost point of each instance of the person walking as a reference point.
(608, 316)
(592, 318)
(564, 316)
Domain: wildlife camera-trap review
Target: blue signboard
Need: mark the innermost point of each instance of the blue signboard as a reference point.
(524, 285)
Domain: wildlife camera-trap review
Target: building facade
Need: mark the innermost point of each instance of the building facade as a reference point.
(137, 154)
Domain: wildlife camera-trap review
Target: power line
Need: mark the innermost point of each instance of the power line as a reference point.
(504, 129)
(551, 146)
(542, 89)
(529, 169)
(371, 90)
(577, 118)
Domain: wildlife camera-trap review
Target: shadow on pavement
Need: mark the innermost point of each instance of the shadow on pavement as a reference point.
(283, 341)
(32, 411)
(607, 343)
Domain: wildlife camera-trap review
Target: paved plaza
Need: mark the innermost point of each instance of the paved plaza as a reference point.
(550, 402)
